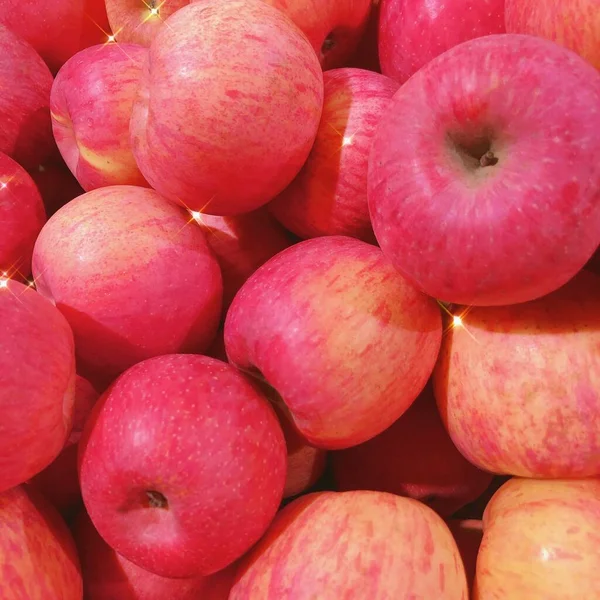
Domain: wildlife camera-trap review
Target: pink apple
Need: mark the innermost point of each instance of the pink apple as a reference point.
(91, 103)
(59, 481)
(416, 458)
(413, 32)
(517, 386)
(468, 535)
(57, 29)
(243, 121)
(329, 195)
(37, 554)
(319, 322)
(37, 362)
(133, 275)
(182, 465)
(25, 81)
(107, 575)
(484, 188)
(540, 540)
(241, 244)
(353, 545)
(22, 217)
(571, 23)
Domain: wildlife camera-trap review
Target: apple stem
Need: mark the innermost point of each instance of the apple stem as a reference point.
(156, 500)
(488, 159)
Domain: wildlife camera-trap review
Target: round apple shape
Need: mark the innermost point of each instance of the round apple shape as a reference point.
(243, 121)
(359, 544)
(38, 558)
(413, 457)
(22, 216)
(37, 362)
(574, 24)
(220, 476)
(25, 81)
(518, 387)
(329, 195)
(414, 32)
(91, 103)
(540, 541)
(319, 322)
(484, 188)
(133, 275)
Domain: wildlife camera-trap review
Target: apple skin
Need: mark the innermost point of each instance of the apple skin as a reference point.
(468, 534)
(22, 216)
(414, 32)
(354, 545)
(133, 275)
(241, 244)
(57, 30)
(25, 81)
(91, 103)
(518, 386)
(221, 469)
(497, 234)
(574, 24)
(319, 321)
(413, 457)
(37, 362)
(108, 575)
(329, 195)
(541, 541)
(366, 55)
(38, 558)
(250, 117)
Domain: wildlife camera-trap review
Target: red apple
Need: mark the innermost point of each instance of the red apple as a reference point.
(108, 575)
(91, 103)
(416, 458)
(59, 29)
(243, 121)
(59, 482)
(518, 386)
(38, 558)
(242, 244)
(484, 186)
(413, 32)
(22, 217)
(571, 23)
(25, 81)
(37, 362)
(182, 465)
(133, 275)
(468, 535)
(353, 545)
(329, 195)
(320, 322)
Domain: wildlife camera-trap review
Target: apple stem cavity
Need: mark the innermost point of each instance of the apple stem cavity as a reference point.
(156, 500)
(489, 159)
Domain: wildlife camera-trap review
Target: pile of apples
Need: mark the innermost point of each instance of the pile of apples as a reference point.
(299, 299)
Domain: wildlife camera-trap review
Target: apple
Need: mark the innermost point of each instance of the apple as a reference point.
(414, 32)
(413, 457)
(59, 29)
(241, 244)
(483, 183)
(132, 274)
(37, 362)
(220, 474)
(22, 217)
(366, 54)
(571, 23)
(108, 575)
(243, 120)
(540, 540)
(353, 545)
(38, 558)
(59, 481)
(319, 323)
(25, 81)
(468, 534)
(518, 387)
(91, 103)
(329, 195)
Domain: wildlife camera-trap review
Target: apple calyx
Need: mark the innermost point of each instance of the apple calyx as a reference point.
(156, 500)
(328, 45)
(489, 159)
